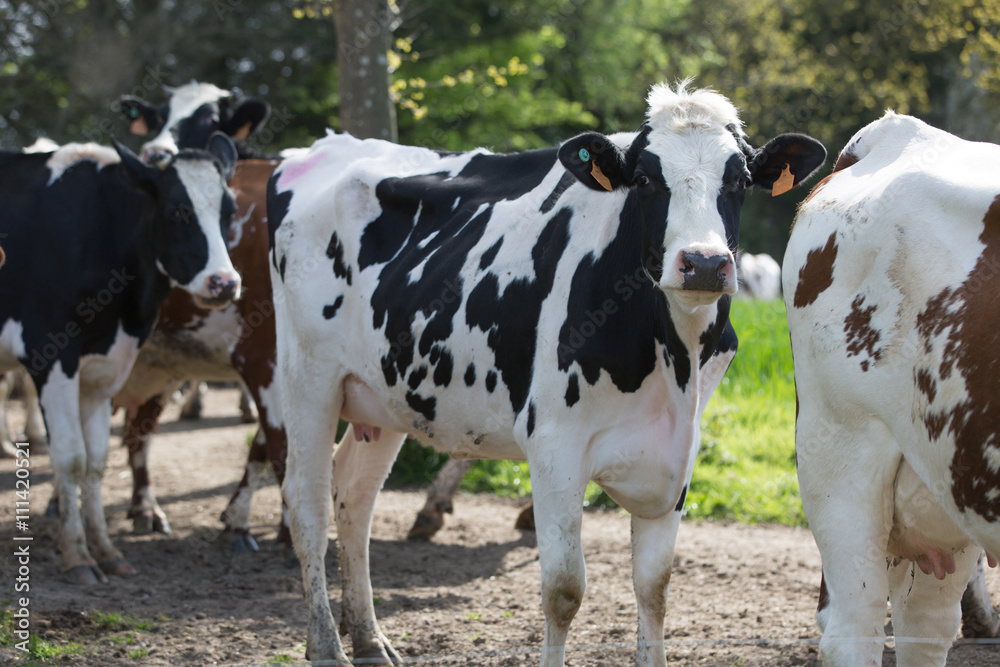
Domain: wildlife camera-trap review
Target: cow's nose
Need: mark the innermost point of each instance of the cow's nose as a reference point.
(706, 273)
(223, 287)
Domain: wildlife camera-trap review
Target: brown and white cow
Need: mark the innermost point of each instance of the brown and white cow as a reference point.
(234, 343)
(893, 298)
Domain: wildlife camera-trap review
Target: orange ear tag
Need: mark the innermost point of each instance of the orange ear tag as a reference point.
(139, 126)
(784, 183)
(243, 132)
(600, 177)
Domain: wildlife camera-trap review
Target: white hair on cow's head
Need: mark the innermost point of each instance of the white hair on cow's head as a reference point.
(675, 109)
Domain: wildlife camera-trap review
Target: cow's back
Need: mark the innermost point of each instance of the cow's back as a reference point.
(893, 307)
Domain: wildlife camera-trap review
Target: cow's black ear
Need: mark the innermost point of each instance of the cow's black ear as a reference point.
(222, 147)
(595, 160)
(798, 154)
(246, 119)
(140, 172)
(143, 117)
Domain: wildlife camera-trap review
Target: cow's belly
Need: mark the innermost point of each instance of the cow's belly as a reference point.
(105, 374)
(186, 355)
(922, 531)
(474, 433)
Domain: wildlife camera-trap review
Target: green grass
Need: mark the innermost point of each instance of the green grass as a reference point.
(746, 467)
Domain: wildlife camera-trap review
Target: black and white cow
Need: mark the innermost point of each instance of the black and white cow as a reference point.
(567, 306)
(95, 241)
(893, 309)
(192, 113)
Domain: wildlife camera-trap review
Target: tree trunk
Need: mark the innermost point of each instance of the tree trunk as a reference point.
(364, 35)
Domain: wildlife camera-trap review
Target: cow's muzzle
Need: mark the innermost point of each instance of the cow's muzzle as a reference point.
(706, 273)
(221, 289)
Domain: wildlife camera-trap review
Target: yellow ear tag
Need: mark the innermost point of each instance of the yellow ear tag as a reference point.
(599, 176)
(139, 126)
(784, 183)
(243, 132)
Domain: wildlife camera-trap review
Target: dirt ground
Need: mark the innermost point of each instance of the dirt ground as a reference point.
(740, 595)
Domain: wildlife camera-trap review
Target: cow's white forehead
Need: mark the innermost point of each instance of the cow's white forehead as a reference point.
(185, 100)
(691, 131)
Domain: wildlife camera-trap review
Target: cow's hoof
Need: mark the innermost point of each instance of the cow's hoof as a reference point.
(376, 656)
(981, 628)
(248, 417)
(239, 541)
(426, 525)
(526, 519)
(118, 566)
(86, 575)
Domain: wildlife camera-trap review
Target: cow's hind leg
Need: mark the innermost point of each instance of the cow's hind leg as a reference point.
(653, 542)
(310, 426)
(979, 618)
(926, 611)
(34, 424)
(146, 514)
(850, 509)
(359, 470)
(95, 414)
(430, 519)
(237, 513)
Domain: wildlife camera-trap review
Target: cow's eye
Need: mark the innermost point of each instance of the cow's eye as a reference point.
(640, 181)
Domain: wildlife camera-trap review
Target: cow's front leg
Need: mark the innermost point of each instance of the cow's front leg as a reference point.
(558, 490)
(146, 514)
(95, 415)
(359, 470)
(307, 486)
(653, 542)
(60, 399)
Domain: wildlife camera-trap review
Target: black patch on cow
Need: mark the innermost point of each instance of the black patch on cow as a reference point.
(389, 371)
(425, 406)
(680, 501)
(565, 181)
(572, 390)
(453, 214)
(470, 375)
(614, 307)
(490, 255)
(491, 381)
(434, 355)
(417, 376)
(735, 179)
(711, 339)
(531, 418)
(653, 205)
(277, 210)
(335, 251)
(444, 369)
(331, 310)
(281, 267)
(511, 319)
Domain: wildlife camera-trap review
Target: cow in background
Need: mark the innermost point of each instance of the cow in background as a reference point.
(99, 238)
(189, 343)
(893, 308)
(566, 306)
(760, 276)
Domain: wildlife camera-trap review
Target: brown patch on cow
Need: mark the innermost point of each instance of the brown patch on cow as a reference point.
(824, 595)
(926, 384)
(816, 275)
(970, 313)
(861, 337)
(844, 160)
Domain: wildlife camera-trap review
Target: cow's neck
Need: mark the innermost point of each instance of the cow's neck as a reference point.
(145, 287)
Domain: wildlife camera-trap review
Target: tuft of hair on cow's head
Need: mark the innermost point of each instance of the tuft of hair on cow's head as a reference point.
(595, 161)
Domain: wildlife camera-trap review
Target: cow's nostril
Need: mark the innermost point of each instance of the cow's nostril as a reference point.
(687, 267)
